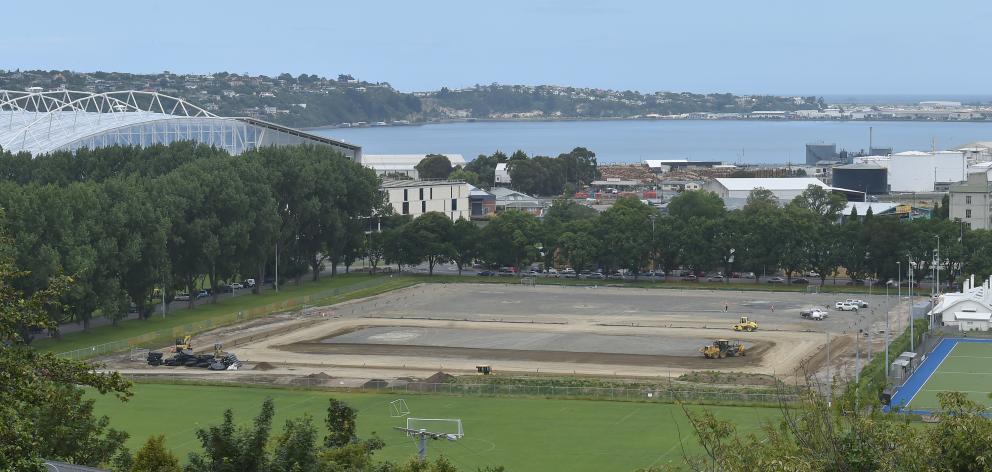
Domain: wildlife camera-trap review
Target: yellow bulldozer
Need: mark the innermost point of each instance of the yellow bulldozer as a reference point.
(746, 325)
(183, 344)
(722, 348)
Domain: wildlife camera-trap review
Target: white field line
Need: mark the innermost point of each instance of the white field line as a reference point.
(924, 384)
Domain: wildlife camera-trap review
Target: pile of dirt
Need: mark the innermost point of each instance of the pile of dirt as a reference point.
(375, 384)
(440, 377)
(263, 366)
(319, 376)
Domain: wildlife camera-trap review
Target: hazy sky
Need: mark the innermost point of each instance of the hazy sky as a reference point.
(742, 46)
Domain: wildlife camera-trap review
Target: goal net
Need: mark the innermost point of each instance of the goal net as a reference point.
(451, 427)
(398, 408)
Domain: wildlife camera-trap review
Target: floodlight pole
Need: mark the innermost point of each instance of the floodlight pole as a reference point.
(912, 336)
(422, 445)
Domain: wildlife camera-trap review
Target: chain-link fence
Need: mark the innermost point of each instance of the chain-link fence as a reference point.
(663, 394)
(161, 337)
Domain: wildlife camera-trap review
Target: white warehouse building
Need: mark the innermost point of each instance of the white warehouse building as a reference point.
(968, 310)
(917, 171)
(416, 197)
(784, 188)
(403, 164)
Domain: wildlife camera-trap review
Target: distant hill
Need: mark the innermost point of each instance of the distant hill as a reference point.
(312, 101)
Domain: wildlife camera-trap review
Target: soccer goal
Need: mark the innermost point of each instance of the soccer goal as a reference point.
(528, 280)
(398, 408)
(812, 289)
(450, 427)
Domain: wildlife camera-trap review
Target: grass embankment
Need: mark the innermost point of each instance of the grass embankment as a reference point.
(335, 289)
(522, 434)
(873, 379)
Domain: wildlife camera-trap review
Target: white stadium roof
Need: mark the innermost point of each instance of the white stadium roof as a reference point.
(771, 183)
(44, 122)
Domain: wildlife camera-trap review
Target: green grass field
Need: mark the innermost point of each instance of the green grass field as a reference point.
(967, 368)
(522, 434)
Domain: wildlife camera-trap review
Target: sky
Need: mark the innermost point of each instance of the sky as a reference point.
(755, 46)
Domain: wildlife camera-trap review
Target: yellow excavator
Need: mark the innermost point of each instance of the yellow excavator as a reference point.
(183, 344)
(722, 348)
(746, 325)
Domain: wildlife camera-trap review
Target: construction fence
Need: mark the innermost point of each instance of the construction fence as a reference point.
(662, 394)
(159, 338)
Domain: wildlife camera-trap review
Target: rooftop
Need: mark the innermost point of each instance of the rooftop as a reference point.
(770, 183)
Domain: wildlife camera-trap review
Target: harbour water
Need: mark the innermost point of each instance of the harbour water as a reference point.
(753, 142)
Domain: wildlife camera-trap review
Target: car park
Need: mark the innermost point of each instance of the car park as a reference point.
(814, 313)
(487, 273)
(715, 278)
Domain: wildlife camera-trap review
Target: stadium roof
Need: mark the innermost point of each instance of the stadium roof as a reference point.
(44, 122)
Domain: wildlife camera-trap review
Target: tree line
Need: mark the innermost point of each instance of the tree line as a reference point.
(698, 234)
(126, 222)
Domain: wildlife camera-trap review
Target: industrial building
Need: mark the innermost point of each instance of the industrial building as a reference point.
(40, 122)
(416, 197)
(483, 203)
(784, 188)
(970, 201)
(507, 199)
(661, 166)
(816, 153)
(870, 178)
(405, 165)
(917, 171)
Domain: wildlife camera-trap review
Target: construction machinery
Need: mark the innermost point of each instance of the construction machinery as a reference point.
(746, 325)
(722, 348)
(184, 356)
(183, 344)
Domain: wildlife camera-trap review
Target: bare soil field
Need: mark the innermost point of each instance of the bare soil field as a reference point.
(516, 329)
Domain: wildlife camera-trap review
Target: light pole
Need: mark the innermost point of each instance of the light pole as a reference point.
(937, 270)
(654, 251)
(909, 268)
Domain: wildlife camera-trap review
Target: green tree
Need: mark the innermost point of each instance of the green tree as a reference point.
(154, 457)
(580, 249)
(696, 203)
(464, 243)
(434, 166)
(296, 448)
(230, 448)
(430, 235)
(819, 201)
(511, 238)
(341, 424)
(466, 175)
(44, 413)
(627, 227)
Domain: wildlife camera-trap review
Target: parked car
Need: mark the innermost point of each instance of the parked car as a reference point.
(748, 275)
(249, 283)
(814, 313)
(237, 286)
(181, 297)
(857, 282)
(487, 273)
(690, 278)
(845, 306)
(801, 280)
(776, 280)
(596, 276)
(503, 272)
(715, 278)
(858, 303)
(202, 294)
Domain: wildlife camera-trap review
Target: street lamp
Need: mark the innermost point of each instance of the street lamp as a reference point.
(909, 269)
(937, 267)
(654, 251)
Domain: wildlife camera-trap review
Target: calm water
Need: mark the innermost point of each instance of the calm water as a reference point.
(633, 141)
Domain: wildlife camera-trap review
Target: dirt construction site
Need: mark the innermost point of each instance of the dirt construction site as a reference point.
(549, 330)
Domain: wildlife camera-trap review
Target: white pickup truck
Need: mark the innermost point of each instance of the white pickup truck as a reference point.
(846, 306)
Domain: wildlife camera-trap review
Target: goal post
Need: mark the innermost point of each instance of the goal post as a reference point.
(398, 408)
(449, 426)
